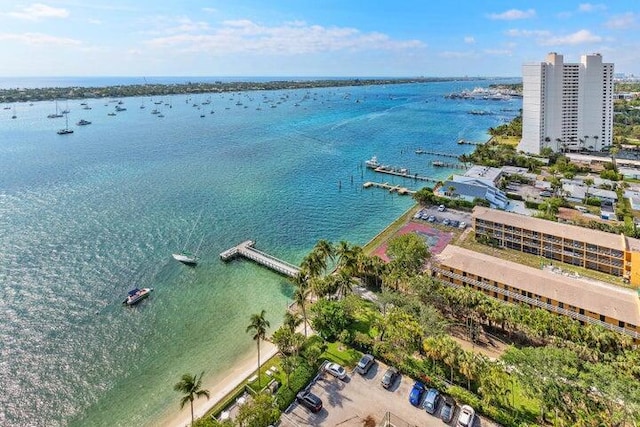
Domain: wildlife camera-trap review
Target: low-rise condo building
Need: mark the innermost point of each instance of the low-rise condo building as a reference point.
(588, 301)
(609, 253)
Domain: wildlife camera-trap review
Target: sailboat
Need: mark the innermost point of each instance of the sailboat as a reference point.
(56, 115)
(186, 257)
(66, 129)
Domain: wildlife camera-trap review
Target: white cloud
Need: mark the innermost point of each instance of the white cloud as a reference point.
(38, 11)
(94, 21)
(621, 22)
(590, 7)
(289, 38)
(498, 52)
(469, 40)
(513, 14)
(450, 54)
(39, 39)
(209, 10)
(527, 33)
(579, 37)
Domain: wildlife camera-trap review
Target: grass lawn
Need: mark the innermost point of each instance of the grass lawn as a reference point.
(391, 229)
(341, 354)
(506, 140)
(266, 379)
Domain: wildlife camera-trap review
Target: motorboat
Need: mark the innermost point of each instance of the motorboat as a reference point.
(372, 163)
(136, 295)
(83, 122)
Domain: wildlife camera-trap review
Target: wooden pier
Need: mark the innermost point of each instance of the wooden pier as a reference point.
(392, 188)
(437, 153)
(247, 250)
(448, 165)
(405, 175)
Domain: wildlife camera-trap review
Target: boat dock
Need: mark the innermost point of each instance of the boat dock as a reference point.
(247, 250)
(404, 174)
(437, 153)
(392, 188)
(448, 165)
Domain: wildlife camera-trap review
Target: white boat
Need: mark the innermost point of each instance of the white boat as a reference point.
(56, 114)
(66, 129)
(185, 256)
(372, 163)
(136, 295)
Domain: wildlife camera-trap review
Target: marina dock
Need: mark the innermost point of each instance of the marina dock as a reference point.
(450, 165)
(392, 188)
(437, 153)
(406, 174)
(247, 250)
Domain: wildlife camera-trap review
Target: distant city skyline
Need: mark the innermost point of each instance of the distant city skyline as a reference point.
(309, 38)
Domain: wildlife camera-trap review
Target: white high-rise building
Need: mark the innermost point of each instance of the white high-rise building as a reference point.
(567, 107)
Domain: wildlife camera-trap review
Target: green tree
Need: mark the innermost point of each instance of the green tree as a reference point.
(408, 252)
(191, 388)
(289, 364)
(329, 318)
(258, 325)
(259, 411)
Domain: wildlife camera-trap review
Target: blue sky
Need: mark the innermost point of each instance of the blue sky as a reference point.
(309, 38)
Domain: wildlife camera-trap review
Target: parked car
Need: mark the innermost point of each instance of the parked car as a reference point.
(454, 223)
(415, 397)
(462, 225)
(441, 208)
(545, 194)
(467, 416)
(448, 409)
(309, 401)
(336, 370)
(446, 221)
(431, 218)
(390, 377)
(365, 363)
(431, 400)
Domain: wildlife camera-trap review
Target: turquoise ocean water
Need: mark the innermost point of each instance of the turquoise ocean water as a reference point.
(87, 216)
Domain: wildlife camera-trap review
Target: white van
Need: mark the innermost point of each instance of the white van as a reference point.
(582, 209)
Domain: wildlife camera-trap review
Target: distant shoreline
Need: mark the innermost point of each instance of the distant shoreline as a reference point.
(122, 91)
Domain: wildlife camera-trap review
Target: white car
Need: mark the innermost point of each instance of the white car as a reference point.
(336, 370)
(441, 208)
(467, 416)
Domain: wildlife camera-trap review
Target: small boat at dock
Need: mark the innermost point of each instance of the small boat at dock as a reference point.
(372, 163)
(136, 295)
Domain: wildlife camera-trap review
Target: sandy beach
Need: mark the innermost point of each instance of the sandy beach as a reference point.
(219, 386)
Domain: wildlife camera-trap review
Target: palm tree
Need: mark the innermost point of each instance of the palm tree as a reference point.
(300, 297)
(258, 324)
(325, 250)
(190, 385)
(292, 320)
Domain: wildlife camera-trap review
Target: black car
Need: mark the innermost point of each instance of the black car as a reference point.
(309, 401)
(365, 363)
(448, 409)
(390, 377)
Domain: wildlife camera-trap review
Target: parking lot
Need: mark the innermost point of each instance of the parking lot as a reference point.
(348, 403)
(447, 217)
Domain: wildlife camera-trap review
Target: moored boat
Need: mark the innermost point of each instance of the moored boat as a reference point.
(136, 295)
(83, 122)
(372, 162)
(186, 258)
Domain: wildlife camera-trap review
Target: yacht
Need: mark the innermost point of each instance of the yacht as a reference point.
(186, 258)
(83, 122)
(136, 295)
(372, 163)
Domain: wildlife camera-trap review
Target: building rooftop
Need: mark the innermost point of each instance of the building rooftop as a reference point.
(574, 232)
(598, 297)
(484, 172)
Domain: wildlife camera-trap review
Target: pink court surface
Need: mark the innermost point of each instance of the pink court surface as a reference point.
(436, 239)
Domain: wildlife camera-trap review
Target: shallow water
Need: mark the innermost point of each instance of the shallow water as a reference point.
(87, 216)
